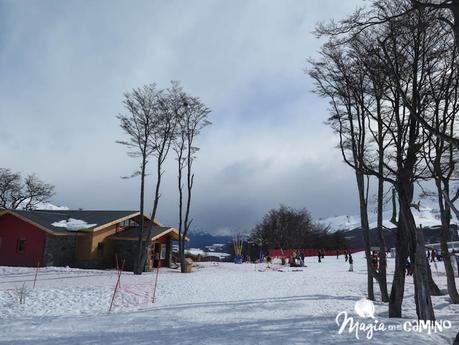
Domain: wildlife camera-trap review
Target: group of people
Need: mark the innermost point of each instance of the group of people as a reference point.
(347, 258)
(297, 258)
(433, 255)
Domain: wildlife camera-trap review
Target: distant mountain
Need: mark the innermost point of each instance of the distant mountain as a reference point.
(431, 235)
(44, 206)
(48, 206)
(427, 216)
(202, 239)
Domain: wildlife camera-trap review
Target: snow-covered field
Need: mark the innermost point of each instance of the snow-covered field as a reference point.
(216, 304)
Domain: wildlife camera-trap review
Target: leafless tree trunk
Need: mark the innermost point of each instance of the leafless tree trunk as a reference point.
(344, 83)
(192, 117)
(405, 45)
(141, 105)
(163, 134)
(440, 154)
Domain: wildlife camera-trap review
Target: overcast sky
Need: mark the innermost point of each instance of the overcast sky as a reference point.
(64, 66)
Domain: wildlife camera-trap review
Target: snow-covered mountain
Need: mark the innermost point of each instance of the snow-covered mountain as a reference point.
(44, 206)
(50, 207)
(427, 216)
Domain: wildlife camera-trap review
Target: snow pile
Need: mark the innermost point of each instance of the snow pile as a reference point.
(72, 224)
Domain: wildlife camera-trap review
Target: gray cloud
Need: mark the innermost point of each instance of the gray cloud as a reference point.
(65, 66)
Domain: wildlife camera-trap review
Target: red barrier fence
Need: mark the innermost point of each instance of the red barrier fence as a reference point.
(310, 252)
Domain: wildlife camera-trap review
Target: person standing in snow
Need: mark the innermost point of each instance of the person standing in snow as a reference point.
(351, 263)
(374, 261)
(434, 254)
(337, 254)
(345, 256)
(319, 255)
(408, 268)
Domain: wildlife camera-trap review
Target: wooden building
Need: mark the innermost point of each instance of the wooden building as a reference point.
(84, 239)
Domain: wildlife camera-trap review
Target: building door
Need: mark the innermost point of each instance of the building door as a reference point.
(157, 254)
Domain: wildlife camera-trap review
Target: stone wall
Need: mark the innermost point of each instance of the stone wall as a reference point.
(59, 251)
(125, 250)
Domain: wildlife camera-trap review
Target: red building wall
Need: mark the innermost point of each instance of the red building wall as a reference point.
(11, 230)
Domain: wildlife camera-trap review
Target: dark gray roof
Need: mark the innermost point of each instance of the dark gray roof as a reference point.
(45, 218)
(134, 232)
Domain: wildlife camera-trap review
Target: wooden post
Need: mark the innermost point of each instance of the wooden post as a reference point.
(36, 273)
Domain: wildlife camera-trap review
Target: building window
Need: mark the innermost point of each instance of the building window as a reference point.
(126, 224)
(100, 249)
(20, 247)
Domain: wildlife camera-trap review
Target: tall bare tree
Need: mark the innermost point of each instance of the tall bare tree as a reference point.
(138, 124)
(192, 117)
(405, 46)
(164, 131)
(440, 155)
(341, 79)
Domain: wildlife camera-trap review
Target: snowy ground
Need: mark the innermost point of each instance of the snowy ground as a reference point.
(216, 304)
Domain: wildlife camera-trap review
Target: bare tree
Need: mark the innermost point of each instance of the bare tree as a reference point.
(440, 7)
(28, 193)
(164, 131)
(405, 46)
(192, 118)
(381, 12)
(139, 123)
(287, 227)
(341, 79)
(440, 155)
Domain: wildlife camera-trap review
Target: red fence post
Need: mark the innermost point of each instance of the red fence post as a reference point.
(117, 286)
